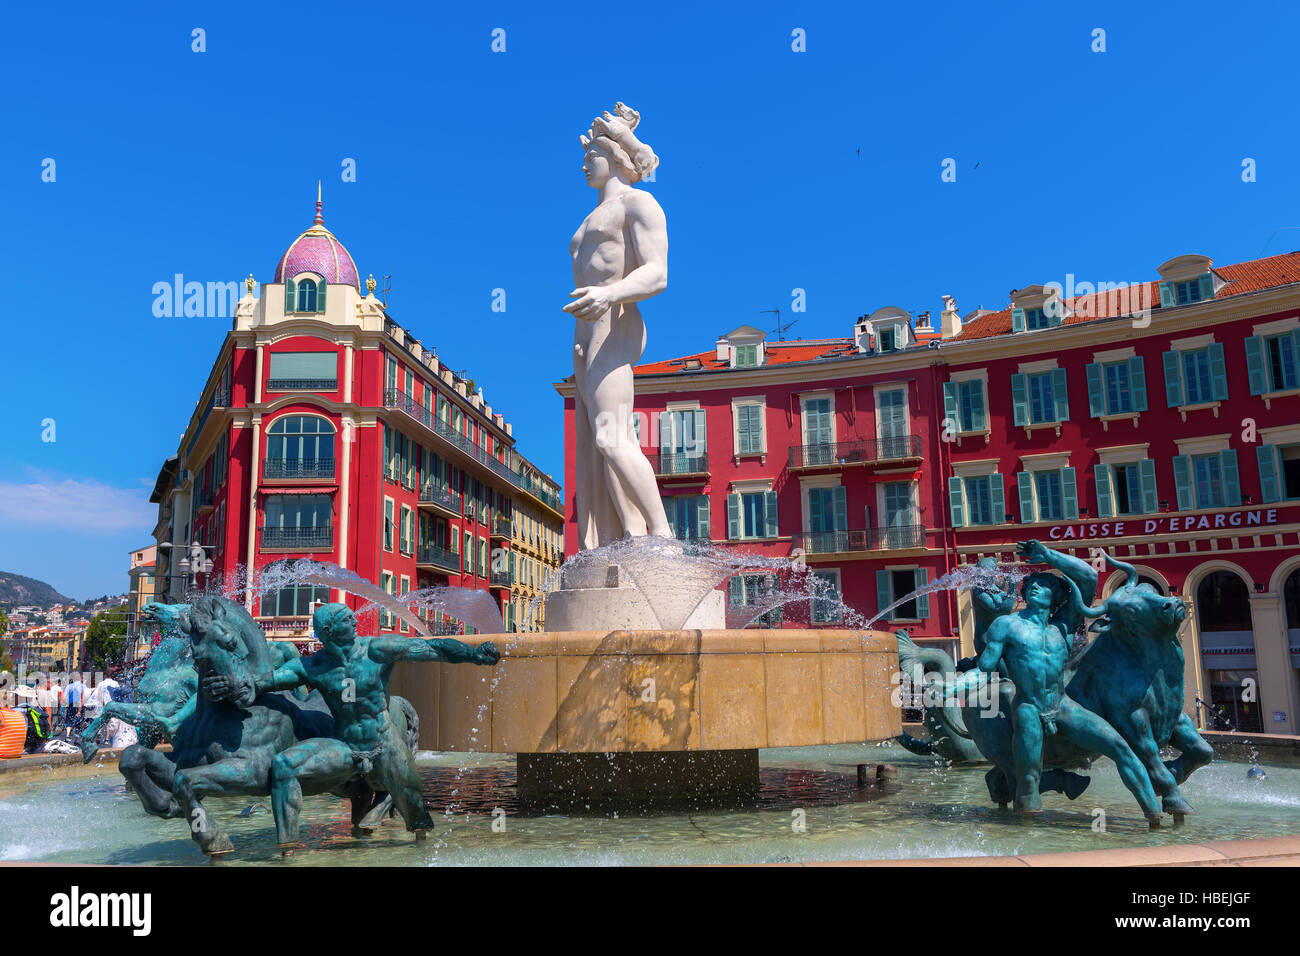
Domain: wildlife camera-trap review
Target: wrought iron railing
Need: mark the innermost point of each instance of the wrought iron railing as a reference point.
(862, 539)
(501, 526)
(679, 462)
(438, 557)
(298, 468)
(299, 539)
(443, 497)
(303, 384)
(417, 411)
(500, 579)
(857, 451)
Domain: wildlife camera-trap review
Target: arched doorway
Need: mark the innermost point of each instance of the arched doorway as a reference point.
(1228, 652)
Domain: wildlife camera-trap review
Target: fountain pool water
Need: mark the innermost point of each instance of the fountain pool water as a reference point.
(928, 811)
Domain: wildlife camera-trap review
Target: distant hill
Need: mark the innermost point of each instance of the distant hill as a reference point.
(17, 589)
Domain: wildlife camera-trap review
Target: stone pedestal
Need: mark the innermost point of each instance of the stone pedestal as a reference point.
(605, 598)
(636, 776)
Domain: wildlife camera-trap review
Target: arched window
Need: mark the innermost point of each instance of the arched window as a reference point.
(1291, 600)
(1222, 603)
(300, 446)
(295, 600)
(306, 295)
(1143, 579)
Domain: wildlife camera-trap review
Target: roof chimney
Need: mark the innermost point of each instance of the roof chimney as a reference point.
(949, 319)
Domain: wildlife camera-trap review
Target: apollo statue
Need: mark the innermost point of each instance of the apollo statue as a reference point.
(620, 257)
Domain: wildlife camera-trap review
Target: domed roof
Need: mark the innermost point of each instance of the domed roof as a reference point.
(316, 250)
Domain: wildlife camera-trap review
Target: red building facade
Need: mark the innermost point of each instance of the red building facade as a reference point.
(326, 430)
(1159, 422)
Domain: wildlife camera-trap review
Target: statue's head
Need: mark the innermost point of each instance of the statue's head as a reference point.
(227, 641)
(1043, 590)
(610, 149)
(335, 624)
(171, 619)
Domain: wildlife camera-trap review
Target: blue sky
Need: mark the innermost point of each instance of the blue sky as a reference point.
(779, 170)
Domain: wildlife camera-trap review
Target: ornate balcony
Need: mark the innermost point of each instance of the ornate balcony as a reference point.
(441, 499)
(500, 579)
(299, 539)
(666, 463)
(862, 451)
(297, 468)
(500, 526)
(898, 537)
(435, 557)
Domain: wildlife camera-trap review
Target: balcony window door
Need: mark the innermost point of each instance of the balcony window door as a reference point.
(818, 431)
(300, 446)
(892, 416)
(899, 514)
(298, 521)
(682, 441)
(828, 522)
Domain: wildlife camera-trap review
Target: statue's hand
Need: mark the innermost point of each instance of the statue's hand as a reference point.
(1032, 551)
(591, 302)
(486, 654)
(216, 686)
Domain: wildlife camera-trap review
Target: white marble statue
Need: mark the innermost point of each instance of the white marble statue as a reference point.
(620, 256)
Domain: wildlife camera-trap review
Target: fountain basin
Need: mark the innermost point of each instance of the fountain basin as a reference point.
(624, 692)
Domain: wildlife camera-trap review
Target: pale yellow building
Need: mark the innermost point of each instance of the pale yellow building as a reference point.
(537, 543)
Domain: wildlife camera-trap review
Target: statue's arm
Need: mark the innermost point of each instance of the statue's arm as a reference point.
(648, 229)
(285, 677)
(1078, 570)
(992, 653)
(387, 650)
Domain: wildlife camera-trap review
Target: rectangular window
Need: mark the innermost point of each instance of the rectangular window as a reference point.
(313, 371)
(469, 553)
(887, 339)
(388, 524)
(746, 356)
(407, 514)
(1196, 376)
(1036, 319)
(1187, 292)
(749, 429)
(482, 557)
(1128, 489)
(1042, 408)
(385, 615)
(688, 516)
(1280, 351)
(406, 589)
(979, 500)
(1051, 506)
(826, 600)
(1290, 474)
(1119, 397)
(752, 512)
(1208, 479)
(970, 399)
(750, 590)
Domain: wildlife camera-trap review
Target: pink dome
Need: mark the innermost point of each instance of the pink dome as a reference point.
(316, 250)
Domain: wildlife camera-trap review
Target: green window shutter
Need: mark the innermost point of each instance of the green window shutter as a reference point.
(1019, 399)
(1147, 478)
(955, 502)
(701, 441)
(1218, 372)
(702, 516)
(769, 514)
(1096, 395)
(1017, 320)
(310, 366)
(1070, 493)
(1173, 380)
(883, 595)
(1231, 478)
(1166, 294)
(670, 510)
(1105, 504)
(921, 577)
(997, 498)
(1183, 482)
(1255, 364)
(736, 590)
(320, 296)
(665, 432)
(950, 407)
(816, 519)
(840, 497)
(1268, 483)
(733, 517)
(977, 406)
(1137, 383)
(1025, 487)
(1295, 354)
(1060, 395)
(288, 296)
(1207, 286)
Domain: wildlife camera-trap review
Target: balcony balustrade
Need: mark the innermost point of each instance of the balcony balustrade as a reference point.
(297, 468)
(299, 539)
(861, 451)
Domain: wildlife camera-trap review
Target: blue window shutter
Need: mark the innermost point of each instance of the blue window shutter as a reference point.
(1255, 364)
(840, 496)
(1096, 394)
(288, 296)
(733, 517)
(884, 597)
(736, 590)
(816, 519)
(1147, 477)
(955, 502)
(977, 403)
(1295, 354)
(701, 439)
(1183, 482)
(997, 498)
(670, 510)
(1054, 310)
(1025, 486)
(1105, 504)
(1207, 286)
(1019, 399)
(1268, 483)
(1231, 479)
(950, 406)
(1173, 380)
(769, 514)
(1017, 320)
(1137, 383)
(922, 600)
(1166, 294)
(702, 517)
(320, 296)
(1060, 395)
(1218, 372)
(1070, 493)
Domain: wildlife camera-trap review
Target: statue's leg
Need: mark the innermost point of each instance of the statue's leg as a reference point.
(233, 775)
(590, 498)
(395, 772)
(1136, 731)
(1027, 745)
(1090, 732)
(323, 763)
(1192, 749)
(632, 484)
(151, 775)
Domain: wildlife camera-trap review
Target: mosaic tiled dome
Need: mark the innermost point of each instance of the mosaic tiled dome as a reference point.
(316, 250)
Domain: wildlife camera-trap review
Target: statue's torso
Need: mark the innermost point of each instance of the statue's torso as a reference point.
(354, 691)
(601, 255)
(1035, 656)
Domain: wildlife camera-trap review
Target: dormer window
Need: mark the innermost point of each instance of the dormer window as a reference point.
(888, 339)
(1186, 292)
(307, 294)
(1036, 319)
(1186, 280)
(746, 356)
